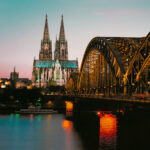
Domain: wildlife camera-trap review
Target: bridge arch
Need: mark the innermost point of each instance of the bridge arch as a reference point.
(71, 85)
(113, 65)
(100, 55)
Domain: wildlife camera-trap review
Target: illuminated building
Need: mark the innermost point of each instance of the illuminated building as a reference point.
(48, 71)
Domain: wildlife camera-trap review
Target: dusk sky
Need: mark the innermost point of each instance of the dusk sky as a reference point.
(22, 26)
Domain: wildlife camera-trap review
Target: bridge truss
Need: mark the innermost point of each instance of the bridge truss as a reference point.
(113, 65)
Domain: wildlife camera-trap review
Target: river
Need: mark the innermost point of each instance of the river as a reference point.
(54, 132)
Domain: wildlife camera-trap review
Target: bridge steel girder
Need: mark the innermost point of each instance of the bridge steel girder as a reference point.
(136, 66)
(122, 59)
(141, 47)
(72, 82)
(146, 65)
(102, 45)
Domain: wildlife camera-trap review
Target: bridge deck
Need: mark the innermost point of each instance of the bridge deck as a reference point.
(114, 98)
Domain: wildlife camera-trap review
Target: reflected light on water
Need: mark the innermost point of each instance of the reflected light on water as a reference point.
(31, 117)
(67, 125)
(11, 117)
(39, 117)
(49, 117)
(108, 130)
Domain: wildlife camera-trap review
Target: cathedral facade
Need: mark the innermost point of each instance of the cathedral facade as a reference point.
(53, 71)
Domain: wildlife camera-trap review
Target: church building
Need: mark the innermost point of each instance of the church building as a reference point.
(53, 71)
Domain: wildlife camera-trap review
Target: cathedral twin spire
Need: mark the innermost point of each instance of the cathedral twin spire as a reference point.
(61, 33)
(61, 50)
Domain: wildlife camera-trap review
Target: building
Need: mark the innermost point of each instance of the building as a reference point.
(53, 71)
(14, 75)
(23, 83)
(5, 83)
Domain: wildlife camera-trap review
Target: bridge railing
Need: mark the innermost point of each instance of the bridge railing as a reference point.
(119, 97)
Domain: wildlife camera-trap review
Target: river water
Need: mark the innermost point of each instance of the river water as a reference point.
(54, 132)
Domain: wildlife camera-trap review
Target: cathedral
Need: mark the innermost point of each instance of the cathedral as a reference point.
(47, 70)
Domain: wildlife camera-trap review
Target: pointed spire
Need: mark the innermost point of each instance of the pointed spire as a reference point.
(46, 32)
(62, 31)
(14, 69)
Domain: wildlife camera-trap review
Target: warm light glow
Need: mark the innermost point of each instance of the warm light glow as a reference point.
(11, 97)
(99, 113)
(7, 83)
(122, 112)
(69, 106)
(29, 87)
(108, 125)
(3, 86)
(1, 81)
(50, 103)
(67, 125)
(108, 129)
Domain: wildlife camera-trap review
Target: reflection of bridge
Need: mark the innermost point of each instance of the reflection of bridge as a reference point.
(113, 66)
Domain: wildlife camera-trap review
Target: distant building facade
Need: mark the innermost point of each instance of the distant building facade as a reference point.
(14, 75)
(15, 82)
(48, 71)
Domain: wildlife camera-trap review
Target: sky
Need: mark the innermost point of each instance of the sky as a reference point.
(22, 25)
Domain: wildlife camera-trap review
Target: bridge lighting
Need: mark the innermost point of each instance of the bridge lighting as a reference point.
(69, 106)
(99, 113)
(125, 65)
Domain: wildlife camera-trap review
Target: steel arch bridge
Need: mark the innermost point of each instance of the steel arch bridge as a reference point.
(113, 65)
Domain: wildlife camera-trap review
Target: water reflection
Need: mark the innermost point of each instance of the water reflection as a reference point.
(11, 117)
(31, 117)
(87, 126)
(108, 130)
(39, 117)
(87, 131)
(38, 132)
(49, 117)
(67, 125)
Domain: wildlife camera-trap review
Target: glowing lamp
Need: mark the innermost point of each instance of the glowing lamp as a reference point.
(3, 86)
(69, 106)
(29, 87)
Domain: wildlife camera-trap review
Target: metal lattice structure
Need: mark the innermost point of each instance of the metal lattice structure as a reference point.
(113, 65)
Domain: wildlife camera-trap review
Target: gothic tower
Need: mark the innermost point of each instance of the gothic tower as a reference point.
(61, 47)
(46, 44)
